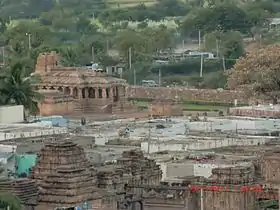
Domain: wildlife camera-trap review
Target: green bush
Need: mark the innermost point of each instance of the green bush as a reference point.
(200, 110)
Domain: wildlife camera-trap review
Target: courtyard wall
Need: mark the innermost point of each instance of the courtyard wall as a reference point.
(186, 94)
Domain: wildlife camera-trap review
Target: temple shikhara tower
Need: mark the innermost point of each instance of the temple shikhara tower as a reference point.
(65, 177)
(68, 89)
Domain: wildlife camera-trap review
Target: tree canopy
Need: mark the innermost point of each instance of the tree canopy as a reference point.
(258, 74)
(103, 31)
(16, 87)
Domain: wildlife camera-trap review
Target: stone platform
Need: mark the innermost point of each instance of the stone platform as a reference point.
(257, 111)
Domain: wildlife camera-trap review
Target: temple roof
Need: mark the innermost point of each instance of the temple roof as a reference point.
(77, 76)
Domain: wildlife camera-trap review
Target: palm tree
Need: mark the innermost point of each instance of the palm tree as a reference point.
(9, 201)
(17, 87)
(69, 56)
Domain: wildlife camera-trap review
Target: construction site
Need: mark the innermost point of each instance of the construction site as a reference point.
(167, 163)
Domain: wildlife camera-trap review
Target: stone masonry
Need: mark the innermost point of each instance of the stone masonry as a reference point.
(231, 197)
(140, 169)
(270, 167)
(65, 177)
(186, 94)
(92, 91)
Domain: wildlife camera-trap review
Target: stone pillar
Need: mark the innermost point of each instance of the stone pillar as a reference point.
(104, 95)
(80, 93)
(111, 92)
(87, 92)
(120, 90)
(124, 91)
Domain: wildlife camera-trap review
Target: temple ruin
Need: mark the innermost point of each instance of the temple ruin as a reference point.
(65, 177)
(25, 189)
(132, 168)
(92, 91)
(127, 179)
(232, 194)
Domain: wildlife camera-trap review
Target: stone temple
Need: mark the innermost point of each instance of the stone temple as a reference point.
(66, 178)
(78, 89)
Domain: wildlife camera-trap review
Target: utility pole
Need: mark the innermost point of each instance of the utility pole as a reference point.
(159, 77)
(92, 54)
(224, 63)
(29, 40)
(107, 46)
(183, 45)
(129, 58)
(149, 139)
(134, 76)
(3, 55)
(199, 40)
(217, 47)
(29, 43)
(201, 199)
(201, 65)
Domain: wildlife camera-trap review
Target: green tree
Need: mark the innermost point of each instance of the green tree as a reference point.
(130, 39)
(18, 41)
(222, 18)
(144, 43)
(257, 74)
(228, 44)
(70, 56)
(17, 87)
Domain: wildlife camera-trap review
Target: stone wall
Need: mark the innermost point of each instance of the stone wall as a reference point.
(36, 133)
(254, 112)
(165, 110)
(62, 108)
(186, 94)
(55, 103)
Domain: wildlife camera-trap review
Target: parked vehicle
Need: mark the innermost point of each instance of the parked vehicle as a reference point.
(148, 83)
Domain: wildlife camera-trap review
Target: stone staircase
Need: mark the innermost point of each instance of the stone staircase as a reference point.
(123, 107)
(89, 108)
(82, 108)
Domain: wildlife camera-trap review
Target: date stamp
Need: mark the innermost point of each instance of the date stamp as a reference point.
(215, 188)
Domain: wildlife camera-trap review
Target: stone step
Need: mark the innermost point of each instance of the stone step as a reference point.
(91, 110)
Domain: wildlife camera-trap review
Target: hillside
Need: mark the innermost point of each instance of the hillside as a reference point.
(86, 30)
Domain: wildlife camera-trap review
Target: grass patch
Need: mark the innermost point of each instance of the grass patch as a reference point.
(189, 106)
(205, 108)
